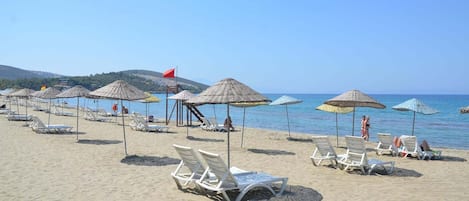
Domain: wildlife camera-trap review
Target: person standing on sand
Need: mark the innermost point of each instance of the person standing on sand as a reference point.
(363, 126)
(367, 128)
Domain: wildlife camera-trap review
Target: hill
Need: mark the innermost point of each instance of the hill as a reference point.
(145, 80)
(13, 73)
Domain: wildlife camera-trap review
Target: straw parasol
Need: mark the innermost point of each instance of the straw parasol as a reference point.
(183, 95)
(354, 98)
(150, 99)
(120, 90)
(286, 100)
(76, 91)
(228, 91)
(50, 93)
(336, 110)
(24, 93)
(415, 106)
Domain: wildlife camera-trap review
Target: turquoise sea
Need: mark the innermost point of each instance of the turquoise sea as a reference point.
(448, 128)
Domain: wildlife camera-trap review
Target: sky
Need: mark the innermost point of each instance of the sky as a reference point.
(274, 46)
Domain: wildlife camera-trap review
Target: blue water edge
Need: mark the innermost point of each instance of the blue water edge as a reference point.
(448, 128)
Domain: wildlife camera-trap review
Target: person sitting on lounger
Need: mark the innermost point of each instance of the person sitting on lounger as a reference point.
(228, 124)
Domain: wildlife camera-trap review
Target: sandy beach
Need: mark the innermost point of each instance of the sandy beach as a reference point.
(57, 167)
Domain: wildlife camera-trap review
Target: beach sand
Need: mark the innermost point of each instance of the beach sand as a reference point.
(56, 167)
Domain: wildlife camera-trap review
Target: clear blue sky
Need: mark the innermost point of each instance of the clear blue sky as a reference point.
(416, 46)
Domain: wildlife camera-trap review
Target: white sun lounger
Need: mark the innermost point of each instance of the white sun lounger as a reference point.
(356, 157)
(243, 182)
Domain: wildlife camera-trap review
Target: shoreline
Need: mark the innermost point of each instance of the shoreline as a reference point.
(52, 166)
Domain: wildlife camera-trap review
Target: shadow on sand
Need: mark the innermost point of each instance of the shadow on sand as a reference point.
(99, 142)
(149, 160)
(291, 193)
(204, 139)
(271, 152)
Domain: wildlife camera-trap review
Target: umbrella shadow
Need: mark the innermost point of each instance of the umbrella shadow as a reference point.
(402, 172)
(271, 152)
(297, 193)
(299, 139)
(99, 142)
(398, 172)
(149, 160)
(204, 139)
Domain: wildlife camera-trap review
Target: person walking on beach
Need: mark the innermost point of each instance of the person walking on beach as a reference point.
(363, 126)
(367, 128)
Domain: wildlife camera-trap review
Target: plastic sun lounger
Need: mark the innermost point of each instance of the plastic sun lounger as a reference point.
(356, 157)
(386, 143)
(191, 168)
(324, 151)
(243, 182)
(39, 127)
(410, 148)
(19, 117)
(140, 124)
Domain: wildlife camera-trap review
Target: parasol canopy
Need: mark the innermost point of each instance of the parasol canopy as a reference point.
(228, 91)
(416, 106)
(286, 100)
(354, 98)
(120, 90)
(336, 110)
(76, 91)
(183, 95)
(50, 93)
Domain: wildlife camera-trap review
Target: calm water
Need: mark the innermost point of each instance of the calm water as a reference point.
(448, 128)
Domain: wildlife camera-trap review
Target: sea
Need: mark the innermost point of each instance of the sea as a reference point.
(447, 128)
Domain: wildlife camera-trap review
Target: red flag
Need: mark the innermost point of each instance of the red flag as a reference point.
(169, 73)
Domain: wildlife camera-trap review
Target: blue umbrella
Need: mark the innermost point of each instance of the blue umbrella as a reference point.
(415, 106)
(286, 100)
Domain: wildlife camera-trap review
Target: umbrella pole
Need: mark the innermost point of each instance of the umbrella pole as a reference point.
(413, 125)
(48, 119)
(353, 122)
(288, 120)
(228, 133)
(123, 128)
(78, 112)
(337, 128)
(242, 133)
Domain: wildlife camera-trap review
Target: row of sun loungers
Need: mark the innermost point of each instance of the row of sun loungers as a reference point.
(356, 154)
(405, 146)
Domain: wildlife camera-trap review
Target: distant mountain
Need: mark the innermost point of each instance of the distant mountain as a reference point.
(13, 73)
(158, 79)
(11, 77)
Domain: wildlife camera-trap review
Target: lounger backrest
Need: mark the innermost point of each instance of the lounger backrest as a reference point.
(324, 145)
(38, 123)
(356, 150)
(410, 143)
(217, 166)
(190, 159)
(385, 139)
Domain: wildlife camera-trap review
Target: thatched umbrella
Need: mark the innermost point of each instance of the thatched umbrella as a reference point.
(23, 93)
(228, 91)
(149, 99)
(120, 90)
(354, 98)
(336, 110)
(286, 100)
(50, 93)
(76, 91)
(182, 96)
(416, 106)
